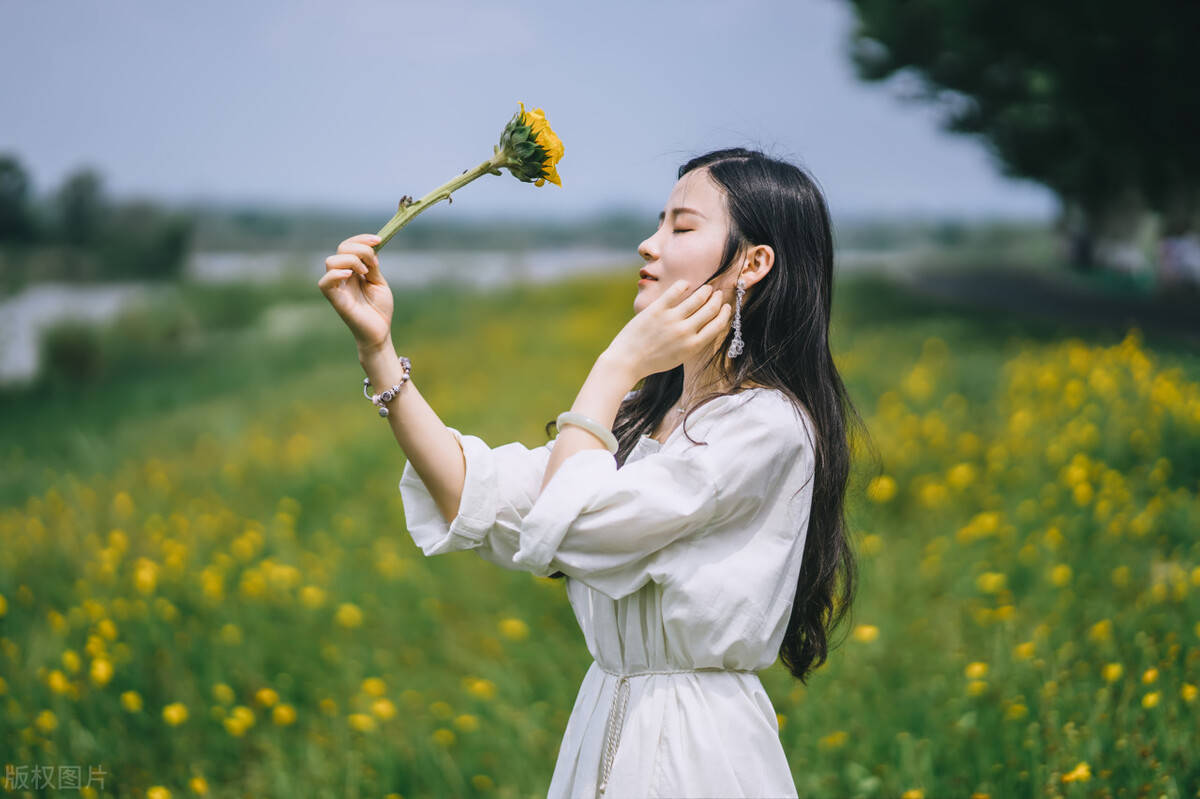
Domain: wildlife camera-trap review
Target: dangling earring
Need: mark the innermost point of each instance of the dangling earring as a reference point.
(735, 347)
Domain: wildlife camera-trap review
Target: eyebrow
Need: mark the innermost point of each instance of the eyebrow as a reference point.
(677, 211)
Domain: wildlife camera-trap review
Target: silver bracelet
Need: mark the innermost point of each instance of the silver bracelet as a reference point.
(589, 424)
(387, 396)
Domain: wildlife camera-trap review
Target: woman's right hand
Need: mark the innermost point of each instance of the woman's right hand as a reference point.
(356, 289)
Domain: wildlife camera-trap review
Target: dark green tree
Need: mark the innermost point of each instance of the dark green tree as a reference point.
(1095, 100)
(18, 222)
(80, 208)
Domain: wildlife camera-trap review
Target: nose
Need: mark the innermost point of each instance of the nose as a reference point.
(646, 251)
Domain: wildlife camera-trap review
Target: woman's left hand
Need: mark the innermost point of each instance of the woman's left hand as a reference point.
(676, 327)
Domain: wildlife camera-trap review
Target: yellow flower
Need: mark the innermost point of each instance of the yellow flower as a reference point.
(58, 682)
(514, 628)
(361, 722)
(101, 671)
(266, 697)
(312, 596)
(240, 719)
(1188, 692)
(348, 615)
(466, 722)
(834, 740)
(913, 793)
(3, 606)
(866, 633)
(122, 505)
(46, 721)
(1150, 699)
(444, 736)
(1060, 575)
(1023, 651)
(283, 715)
(481, 688)
(881, 489)
(1016, 711)
(199, 785)
(222, 693)
(976, 670)
(107, 629)
(961, 475)
(976, 687)
(1149, 676)
(1112, 672)
(1081, 773)
(157, 792)
(175, 713)
(990, 582)
(145, 575)
(384, 709)
(70, 660)
(373, 686)
(534, 149)
(1101, 631)
(131, 701)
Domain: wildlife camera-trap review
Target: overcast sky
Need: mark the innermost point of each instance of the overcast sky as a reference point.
(358, 102)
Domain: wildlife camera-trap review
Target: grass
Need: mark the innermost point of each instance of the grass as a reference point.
(212, 522)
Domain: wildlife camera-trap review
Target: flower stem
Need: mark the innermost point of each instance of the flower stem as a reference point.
(442, 192)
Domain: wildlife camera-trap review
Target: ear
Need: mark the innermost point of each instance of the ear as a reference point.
(758, 262)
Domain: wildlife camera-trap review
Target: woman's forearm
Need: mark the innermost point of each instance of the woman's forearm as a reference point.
(430, 447)
(600, 398)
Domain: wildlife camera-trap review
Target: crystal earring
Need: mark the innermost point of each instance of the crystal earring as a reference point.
(735, 347)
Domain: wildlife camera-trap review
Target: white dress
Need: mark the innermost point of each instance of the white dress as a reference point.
(681, 569)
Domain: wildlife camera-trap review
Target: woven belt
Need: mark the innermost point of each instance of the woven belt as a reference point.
(616, 711)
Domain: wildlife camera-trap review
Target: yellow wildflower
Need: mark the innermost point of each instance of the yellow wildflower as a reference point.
(515, 629)
(283, 714)
(348, 615)
(866, 633)
(175, 713)
(1081, 773)
(131, 701)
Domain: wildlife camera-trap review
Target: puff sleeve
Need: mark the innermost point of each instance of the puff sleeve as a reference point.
(613, 528)
(500, 487)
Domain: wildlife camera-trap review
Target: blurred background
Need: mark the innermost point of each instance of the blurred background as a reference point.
(206, 586)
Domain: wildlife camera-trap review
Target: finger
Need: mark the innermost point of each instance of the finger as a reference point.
(364, 251)
(718, 325)
(332, 279)
(370, 239)
(346, 260)
(708, 310)
(689, 304)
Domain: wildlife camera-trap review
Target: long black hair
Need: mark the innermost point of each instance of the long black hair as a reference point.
(785, 332)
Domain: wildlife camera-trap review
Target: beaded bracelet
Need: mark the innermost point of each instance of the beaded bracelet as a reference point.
(387, 396)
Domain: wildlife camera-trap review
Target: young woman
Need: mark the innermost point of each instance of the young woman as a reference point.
(690, 564)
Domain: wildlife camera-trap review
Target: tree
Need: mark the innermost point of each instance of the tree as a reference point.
(81, 208)
(17, 220)
(1095, 100)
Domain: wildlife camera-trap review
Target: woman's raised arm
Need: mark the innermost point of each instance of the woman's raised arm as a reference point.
(357, 290)
(430, 447)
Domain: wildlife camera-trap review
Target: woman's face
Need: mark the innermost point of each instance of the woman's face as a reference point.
(689, 242)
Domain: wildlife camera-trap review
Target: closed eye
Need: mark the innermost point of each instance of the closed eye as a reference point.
(687, 230)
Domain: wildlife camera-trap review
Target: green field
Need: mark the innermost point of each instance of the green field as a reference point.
(206, 585)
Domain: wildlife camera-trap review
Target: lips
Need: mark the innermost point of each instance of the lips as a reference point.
(647, 275)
